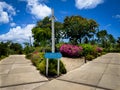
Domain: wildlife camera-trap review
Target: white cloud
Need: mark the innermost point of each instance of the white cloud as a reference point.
(38, 9)
(12, 24)
(6, 12)
(87, 4)
(18, 34)
(117, 16)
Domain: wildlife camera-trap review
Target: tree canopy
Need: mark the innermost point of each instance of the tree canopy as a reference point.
(42, 32)
(75, 28)
(78, 28)
(9, 47)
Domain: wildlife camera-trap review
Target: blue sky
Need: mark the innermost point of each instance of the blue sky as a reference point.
(18, 17)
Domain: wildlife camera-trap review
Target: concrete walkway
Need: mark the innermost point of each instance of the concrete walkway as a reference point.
(101, 74)
(72, 63)
(18, 73)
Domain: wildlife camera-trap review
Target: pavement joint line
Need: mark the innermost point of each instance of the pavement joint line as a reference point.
(104, 72)
(20, 72)
(23, 63)
(90, 84)
(7, 64)
(107, 63)
(94, 86)
(114, 64)
(11, 67)
(16, 63)
(23, 84)
(40, 85)
(100, 62)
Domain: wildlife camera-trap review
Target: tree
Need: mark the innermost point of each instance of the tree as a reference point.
(106, 40)
(42, 32)
(102, 37)
(7, 48)
(118, 41)
(58, 31)
(111, 42)
(102, 34)
(41, 35)
(77, 28)
(3, 49)
(16, 48)
(92, 28)
(73, 26)
(27, 48)
(111, 38)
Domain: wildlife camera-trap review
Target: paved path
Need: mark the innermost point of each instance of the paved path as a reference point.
(101, 74)
(72, 63)
(18, 73)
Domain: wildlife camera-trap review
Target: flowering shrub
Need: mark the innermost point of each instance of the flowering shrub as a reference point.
(36, 52)
(36, 58)
(68, 50)
(99, 49)
(39, 61)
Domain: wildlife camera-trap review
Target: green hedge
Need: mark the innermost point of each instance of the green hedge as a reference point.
(2, 57)
(89, 57)
(39, 61)
(52, 70)
(91, 51)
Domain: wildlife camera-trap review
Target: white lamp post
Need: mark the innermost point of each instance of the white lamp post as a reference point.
(53, 32)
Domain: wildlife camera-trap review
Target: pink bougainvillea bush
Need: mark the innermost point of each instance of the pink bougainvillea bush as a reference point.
(68, 50)
(99, 49)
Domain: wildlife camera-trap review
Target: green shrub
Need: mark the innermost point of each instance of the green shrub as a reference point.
(2, 57)
(97, 51)
(103, 53)
(36, 58)
(38, 49)
(28, 49)
(42, 55)
(87, 49)
(112, 50)
(47, 49)
(29, 56)
(41, 66)
(52, 70)
(39, 61)
(43, 49)
(93, 50)
(89, 57)
(58, 46)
